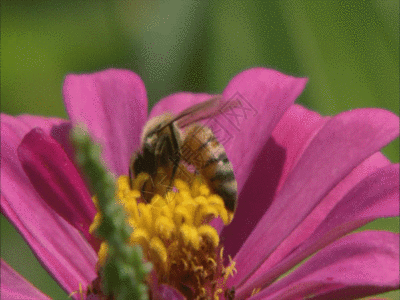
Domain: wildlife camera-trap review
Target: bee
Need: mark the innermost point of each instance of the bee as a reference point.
(168, 140)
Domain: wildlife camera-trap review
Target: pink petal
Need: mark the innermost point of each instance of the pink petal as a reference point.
(358, 265)
(59, 246)
(316, 217)
(277, 158)
(26, 122)
(57, 128)
(343, 143)
(164, 291)
(375, 197)
(14, 286)
(57, 181)
(267, 93)
(176, 103)
(113, 105)
(290, 138)
(294, 133)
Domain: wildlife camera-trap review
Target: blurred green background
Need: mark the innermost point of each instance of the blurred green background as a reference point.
(349, 50)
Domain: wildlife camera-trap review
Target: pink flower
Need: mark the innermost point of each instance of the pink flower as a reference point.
(304, 182)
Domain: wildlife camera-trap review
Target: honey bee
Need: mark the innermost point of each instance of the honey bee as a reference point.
(164, 140)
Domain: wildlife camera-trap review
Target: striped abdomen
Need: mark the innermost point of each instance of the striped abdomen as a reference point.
(202, 150)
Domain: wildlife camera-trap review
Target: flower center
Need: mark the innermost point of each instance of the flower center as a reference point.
(174, 232)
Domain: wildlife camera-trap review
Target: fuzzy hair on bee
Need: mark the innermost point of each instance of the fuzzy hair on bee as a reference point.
(168, 140)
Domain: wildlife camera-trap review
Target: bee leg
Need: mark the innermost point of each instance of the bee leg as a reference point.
(131, 169)
(176, 156)
(166, 155)
(135, 167)
(175, 167)
(146, 194)
(163, 153)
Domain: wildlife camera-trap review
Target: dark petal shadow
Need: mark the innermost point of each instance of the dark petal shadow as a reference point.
(61, 134)
(256, 197)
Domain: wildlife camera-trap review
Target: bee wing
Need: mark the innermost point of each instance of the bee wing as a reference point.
(204, 110)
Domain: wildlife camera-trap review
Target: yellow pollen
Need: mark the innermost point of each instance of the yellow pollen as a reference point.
(139, 181)
(102, 254)
(190, 236)
(209, 234)
(174, 232)
(158, 250)
(140, 236)
(230, 269)
(217, 292)
(95, 223)
(79, 291)
(221, 253)
(255, 291)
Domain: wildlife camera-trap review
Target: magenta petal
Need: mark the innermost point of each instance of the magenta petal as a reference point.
(375, 197)
(164, 291)
(57, 128)
(343, 143)
(58, 246)
(26, 122)
(294, 132)
(358, 265)
(265, 95)
(277, 158)
(317, 216)
(14, 286)
(113, 105)
(176, 103)
(57, 181)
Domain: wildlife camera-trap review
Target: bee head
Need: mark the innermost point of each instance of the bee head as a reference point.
(152, 129)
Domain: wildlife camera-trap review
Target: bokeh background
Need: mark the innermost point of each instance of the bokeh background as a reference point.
(349, 50)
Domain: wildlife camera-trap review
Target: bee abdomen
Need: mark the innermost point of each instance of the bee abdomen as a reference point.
(210, 159)
(228, 192)
(223, 173)
(223, 183)
(213, 160)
